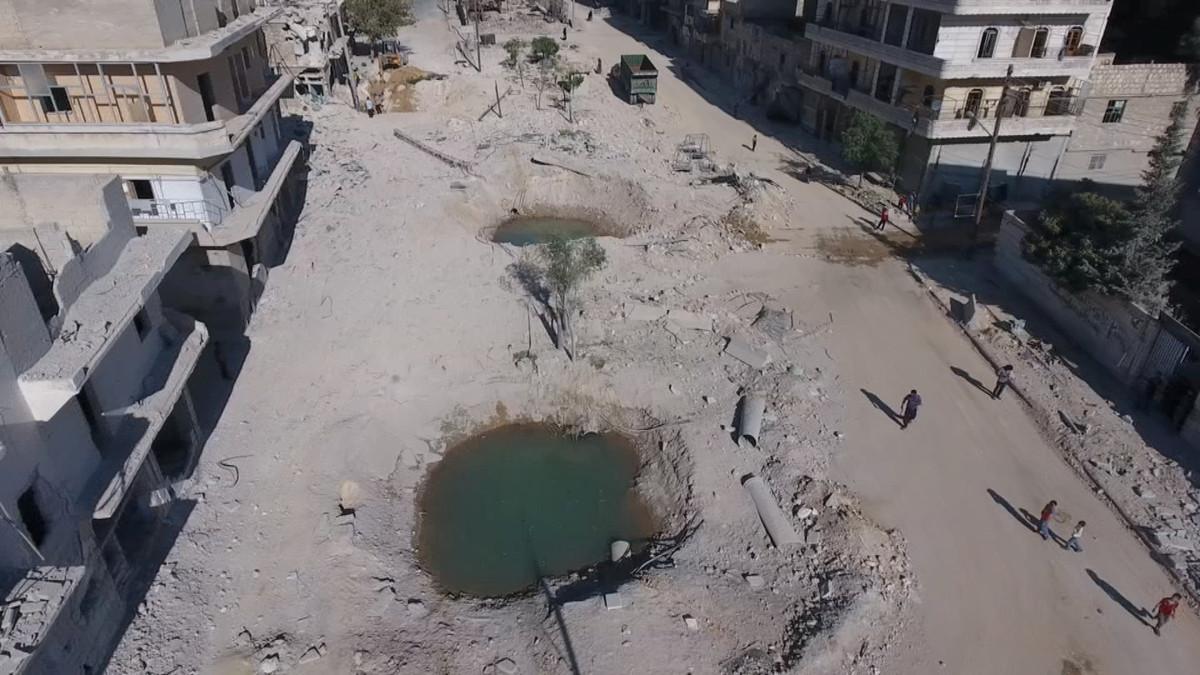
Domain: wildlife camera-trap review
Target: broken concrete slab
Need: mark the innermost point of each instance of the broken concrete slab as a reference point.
(614, 600)
(636, 311)
(743, 351)
(691, 622)
(690, 320)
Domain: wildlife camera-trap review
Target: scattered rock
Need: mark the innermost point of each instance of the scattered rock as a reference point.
(756, 581)
(1144, 492)
(269, 664)
(506, 666)
(417, 609)
(312, 654)
(691, 622)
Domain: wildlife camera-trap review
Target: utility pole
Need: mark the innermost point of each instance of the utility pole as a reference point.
(987, 167)
(478, 54)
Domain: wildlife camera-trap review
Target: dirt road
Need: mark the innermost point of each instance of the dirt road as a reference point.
(995, 597)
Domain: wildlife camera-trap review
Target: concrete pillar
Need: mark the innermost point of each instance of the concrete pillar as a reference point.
(907, 25)
(896, 86)
(887, 14)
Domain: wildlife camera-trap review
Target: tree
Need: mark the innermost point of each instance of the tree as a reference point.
(545, 77)
(378, 19)
(544, 48)
(1189, 43)
(1150, 253)
(515, 47)
(567, 264)
(869, 145)
(1081, 242)
(569, 81)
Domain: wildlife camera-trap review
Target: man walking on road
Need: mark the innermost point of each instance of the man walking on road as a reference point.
(1073, 543)
(1003, 376)
(1044, 521)
(754, 143)
(1165, 611)
(909, 406)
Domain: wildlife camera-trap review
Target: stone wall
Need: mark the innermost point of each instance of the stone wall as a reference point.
(1117, 334)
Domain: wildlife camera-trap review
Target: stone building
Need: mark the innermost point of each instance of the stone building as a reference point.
(1125, 109)
(935, 70)
(308, 41)
(96, 418)
(178, 100)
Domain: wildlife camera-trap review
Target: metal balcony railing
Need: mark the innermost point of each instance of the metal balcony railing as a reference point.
(207, 213)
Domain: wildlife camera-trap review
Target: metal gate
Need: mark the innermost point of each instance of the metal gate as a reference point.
(1171, 348)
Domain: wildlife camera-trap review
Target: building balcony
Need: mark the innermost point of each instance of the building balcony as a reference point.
(1002, 7)
(194, 142)
(98, 316)
(1053, 66)
(958, 119)
(125, 452)
(215, 224)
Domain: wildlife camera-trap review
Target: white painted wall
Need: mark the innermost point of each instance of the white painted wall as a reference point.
(959, 37)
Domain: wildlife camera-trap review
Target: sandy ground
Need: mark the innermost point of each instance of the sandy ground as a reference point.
(391, 330)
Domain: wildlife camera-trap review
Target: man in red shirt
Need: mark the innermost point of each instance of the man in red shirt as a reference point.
(1044, 521)
(1165, 611)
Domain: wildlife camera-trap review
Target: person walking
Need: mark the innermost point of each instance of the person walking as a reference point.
(370, 106)
(1003, 377)
(883, 219)
(1165, 611)
(912, 205)
(909, 406)
(1073, 541)
(1044, 521)
(754, 143)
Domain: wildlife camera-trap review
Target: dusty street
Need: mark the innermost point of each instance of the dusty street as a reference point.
(390, 331)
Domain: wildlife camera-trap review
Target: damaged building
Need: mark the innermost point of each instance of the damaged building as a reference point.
(179, 101)
(96, 416)
(309, 42)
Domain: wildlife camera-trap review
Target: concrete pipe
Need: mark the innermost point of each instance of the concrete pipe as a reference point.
(750, 419)
(618, 549)
(779, 528)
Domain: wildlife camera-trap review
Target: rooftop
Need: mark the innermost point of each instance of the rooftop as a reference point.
(198, 48)
(103, 310)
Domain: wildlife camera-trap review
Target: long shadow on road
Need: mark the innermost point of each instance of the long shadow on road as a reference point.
(1138, 613)
(882, 406)
(970, 378)
(1021, 516)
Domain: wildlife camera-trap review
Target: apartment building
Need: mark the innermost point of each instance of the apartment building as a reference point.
(936, 69)
(96, 419)
(178, 100)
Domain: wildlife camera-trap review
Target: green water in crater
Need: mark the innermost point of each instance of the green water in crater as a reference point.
(530, 230)
(523, 500)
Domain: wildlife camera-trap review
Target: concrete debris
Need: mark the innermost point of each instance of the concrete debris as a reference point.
(313, 653)
(1144, 492)
(269, 665)
(690, 320)
(691, 623)
(756, 581)
(614, 600)
(417, 609)
(636, 311)
(741, 350)
(506, 666)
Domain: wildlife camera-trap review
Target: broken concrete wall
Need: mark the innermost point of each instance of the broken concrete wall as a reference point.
(93, 610)
(214, 286)
(1116, 333)
(26, 459)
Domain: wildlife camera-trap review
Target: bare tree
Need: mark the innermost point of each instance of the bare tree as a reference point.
(567, 264)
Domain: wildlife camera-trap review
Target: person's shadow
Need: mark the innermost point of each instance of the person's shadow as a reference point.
(883, 407)
(1138, 613)
(969, 378)
(1022, 516)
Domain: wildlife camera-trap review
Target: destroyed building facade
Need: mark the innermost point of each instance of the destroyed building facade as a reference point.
(180, 102)
(309, 42)
(96, 418)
